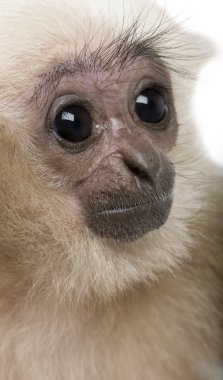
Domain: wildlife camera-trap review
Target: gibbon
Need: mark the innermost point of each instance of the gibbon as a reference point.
(111, 260)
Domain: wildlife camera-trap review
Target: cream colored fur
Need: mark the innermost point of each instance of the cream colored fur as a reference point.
(73, 307)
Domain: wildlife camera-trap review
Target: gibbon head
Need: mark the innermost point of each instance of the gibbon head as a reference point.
(97, 144)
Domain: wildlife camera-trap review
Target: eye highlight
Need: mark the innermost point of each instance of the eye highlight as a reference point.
(73, 124)
(150, 106)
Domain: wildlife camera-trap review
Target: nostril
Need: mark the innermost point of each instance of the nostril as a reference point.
(138, 170)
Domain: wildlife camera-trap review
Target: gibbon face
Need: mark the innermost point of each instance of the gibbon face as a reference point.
(94, 125)
(108, 133)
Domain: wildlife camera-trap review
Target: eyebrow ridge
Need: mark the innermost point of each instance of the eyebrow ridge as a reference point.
(115, 56)
(128, 47)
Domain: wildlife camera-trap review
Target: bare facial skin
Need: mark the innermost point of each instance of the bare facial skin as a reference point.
(120, 171)
(111, 259)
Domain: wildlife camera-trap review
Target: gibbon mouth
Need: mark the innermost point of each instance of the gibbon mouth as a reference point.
(130, 222)
(133, 208)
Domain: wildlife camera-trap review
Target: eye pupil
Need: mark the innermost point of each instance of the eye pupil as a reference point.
(73, 124)
(150, 106)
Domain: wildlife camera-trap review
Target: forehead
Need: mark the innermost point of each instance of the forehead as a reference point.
(30, 31)
(38, 37)
(68, 20)
(46, 38)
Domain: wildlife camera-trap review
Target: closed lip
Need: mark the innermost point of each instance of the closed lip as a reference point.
(131, 208)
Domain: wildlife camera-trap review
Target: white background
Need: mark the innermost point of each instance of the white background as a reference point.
(206, 17)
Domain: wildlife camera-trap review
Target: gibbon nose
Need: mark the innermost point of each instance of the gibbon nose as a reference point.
(142, 160)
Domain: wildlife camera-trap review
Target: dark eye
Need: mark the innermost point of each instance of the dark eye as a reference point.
(150, 106)
(73, 124)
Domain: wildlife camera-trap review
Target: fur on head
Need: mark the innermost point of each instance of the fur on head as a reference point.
(43, 232)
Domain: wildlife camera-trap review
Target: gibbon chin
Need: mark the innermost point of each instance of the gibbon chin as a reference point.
(111, 259)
